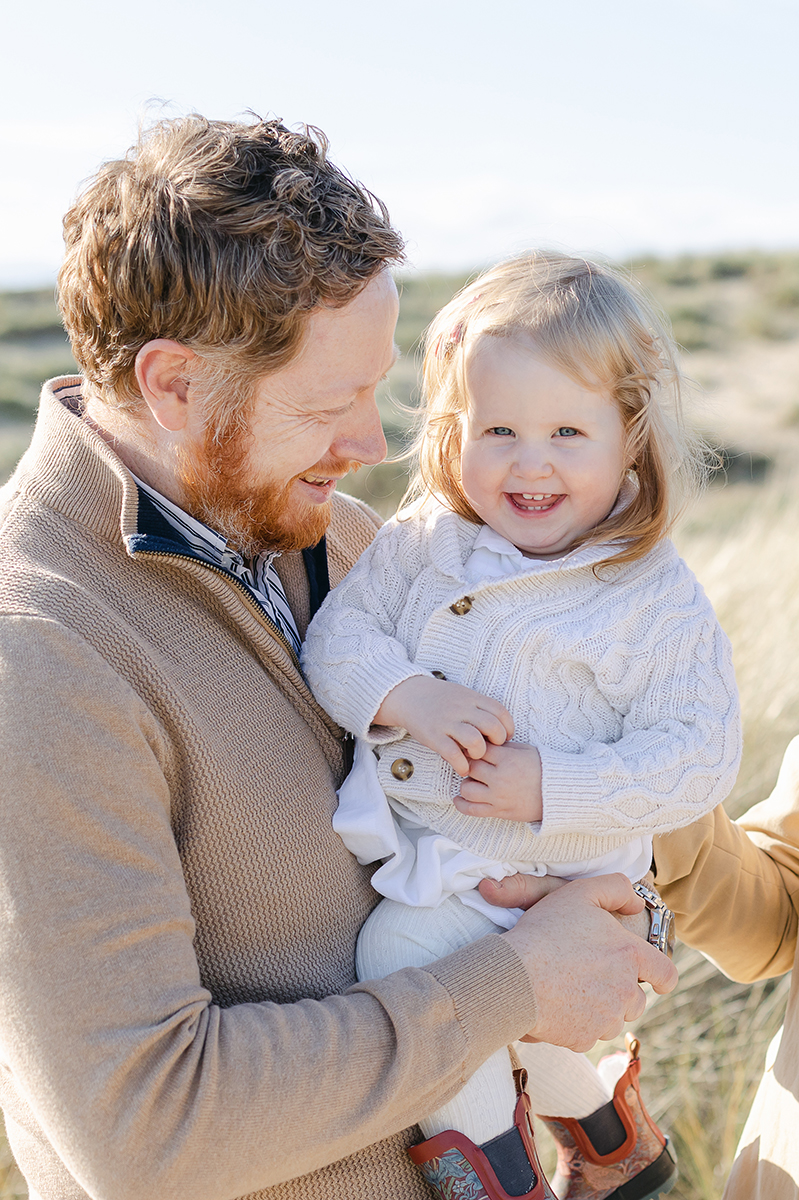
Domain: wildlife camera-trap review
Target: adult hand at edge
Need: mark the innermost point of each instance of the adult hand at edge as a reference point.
(585, 967)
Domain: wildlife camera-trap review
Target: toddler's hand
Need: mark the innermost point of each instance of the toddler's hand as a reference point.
(456, 722)
(505, 782)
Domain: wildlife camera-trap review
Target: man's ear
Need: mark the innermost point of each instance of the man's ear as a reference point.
(162, 373)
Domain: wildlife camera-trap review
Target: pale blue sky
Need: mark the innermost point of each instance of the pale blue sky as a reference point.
(611, 126)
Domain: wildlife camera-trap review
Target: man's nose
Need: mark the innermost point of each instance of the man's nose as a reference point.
(363, 439)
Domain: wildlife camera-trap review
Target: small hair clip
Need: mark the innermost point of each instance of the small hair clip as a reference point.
(456, 336)
(445, 347)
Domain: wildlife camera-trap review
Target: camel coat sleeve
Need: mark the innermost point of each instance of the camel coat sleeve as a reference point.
(734, 886)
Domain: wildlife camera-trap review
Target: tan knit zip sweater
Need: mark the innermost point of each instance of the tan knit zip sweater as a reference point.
(179, 1018)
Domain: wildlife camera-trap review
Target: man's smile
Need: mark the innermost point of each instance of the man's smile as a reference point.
(317, 480)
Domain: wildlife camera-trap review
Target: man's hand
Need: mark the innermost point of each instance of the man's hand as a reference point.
(452, 720)
(505, 782)
(584, 966)
(519, 891)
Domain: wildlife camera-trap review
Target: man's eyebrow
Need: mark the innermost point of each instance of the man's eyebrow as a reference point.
(396, 355)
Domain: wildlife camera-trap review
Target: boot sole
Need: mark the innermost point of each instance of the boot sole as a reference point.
(654, 1181)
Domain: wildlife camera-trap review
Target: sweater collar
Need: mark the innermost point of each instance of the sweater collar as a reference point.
(71, 469)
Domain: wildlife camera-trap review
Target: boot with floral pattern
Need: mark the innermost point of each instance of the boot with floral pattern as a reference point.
(505, 1168)
(616, 1153)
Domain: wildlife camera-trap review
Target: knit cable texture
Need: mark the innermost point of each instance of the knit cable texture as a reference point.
(623, 680)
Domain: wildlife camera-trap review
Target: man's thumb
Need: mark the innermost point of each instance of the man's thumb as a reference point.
(518, 891)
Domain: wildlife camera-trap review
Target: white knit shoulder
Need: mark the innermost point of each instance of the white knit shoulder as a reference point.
(353, 655)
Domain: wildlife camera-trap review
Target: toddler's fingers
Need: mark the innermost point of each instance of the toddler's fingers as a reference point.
(451, 752)
(492, 728)
(456, 759)
(474, 791)
(502, 715)
(482, 769)
(471, 741)
(470, 808)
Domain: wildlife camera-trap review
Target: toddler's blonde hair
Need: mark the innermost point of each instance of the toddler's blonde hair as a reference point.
(596, 325)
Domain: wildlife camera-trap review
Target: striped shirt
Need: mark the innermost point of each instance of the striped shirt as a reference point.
(257, 574)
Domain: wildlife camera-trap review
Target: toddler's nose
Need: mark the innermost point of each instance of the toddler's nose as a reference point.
(533, 465)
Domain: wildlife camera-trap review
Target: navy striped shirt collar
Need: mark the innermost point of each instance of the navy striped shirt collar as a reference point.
(257, 574)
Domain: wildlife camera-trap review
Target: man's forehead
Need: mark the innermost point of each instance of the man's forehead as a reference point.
(353, 353)
(344, 350)
(314, 382)
(343, 380)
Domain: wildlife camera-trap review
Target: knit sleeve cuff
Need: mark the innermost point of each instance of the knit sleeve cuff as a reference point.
(492, 995)
(571, 792)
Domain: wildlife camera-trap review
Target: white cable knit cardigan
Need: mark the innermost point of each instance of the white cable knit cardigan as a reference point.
(624, 683)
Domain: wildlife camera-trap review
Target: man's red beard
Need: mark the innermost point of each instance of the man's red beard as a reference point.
(213, 479)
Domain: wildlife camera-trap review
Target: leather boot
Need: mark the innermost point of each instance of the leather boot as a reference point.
(505, 1168)
(616, 1153)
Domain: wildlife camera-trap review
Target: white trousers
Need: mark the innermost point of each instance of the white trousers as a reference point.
(560, 1082)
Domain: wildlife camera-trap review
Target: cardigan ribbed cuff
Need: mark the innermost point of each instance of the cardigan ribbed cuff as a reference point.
(492, 995)
(570, 789)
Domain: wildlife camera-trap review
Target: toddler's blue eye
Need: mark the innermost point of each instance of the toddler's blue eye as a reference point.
(567, 431)
(501, 431)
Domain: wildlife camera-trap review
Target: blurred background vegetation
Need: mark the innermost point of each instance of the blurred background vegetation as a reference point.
(736, 317)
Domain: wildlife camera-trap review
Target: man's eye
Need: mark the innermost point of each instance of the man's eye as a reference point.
(334, 414)
(501, 431)
(567, 431)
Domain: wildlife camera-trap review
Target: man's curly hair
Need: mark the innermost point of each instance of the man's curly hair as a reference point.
(220, 235)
